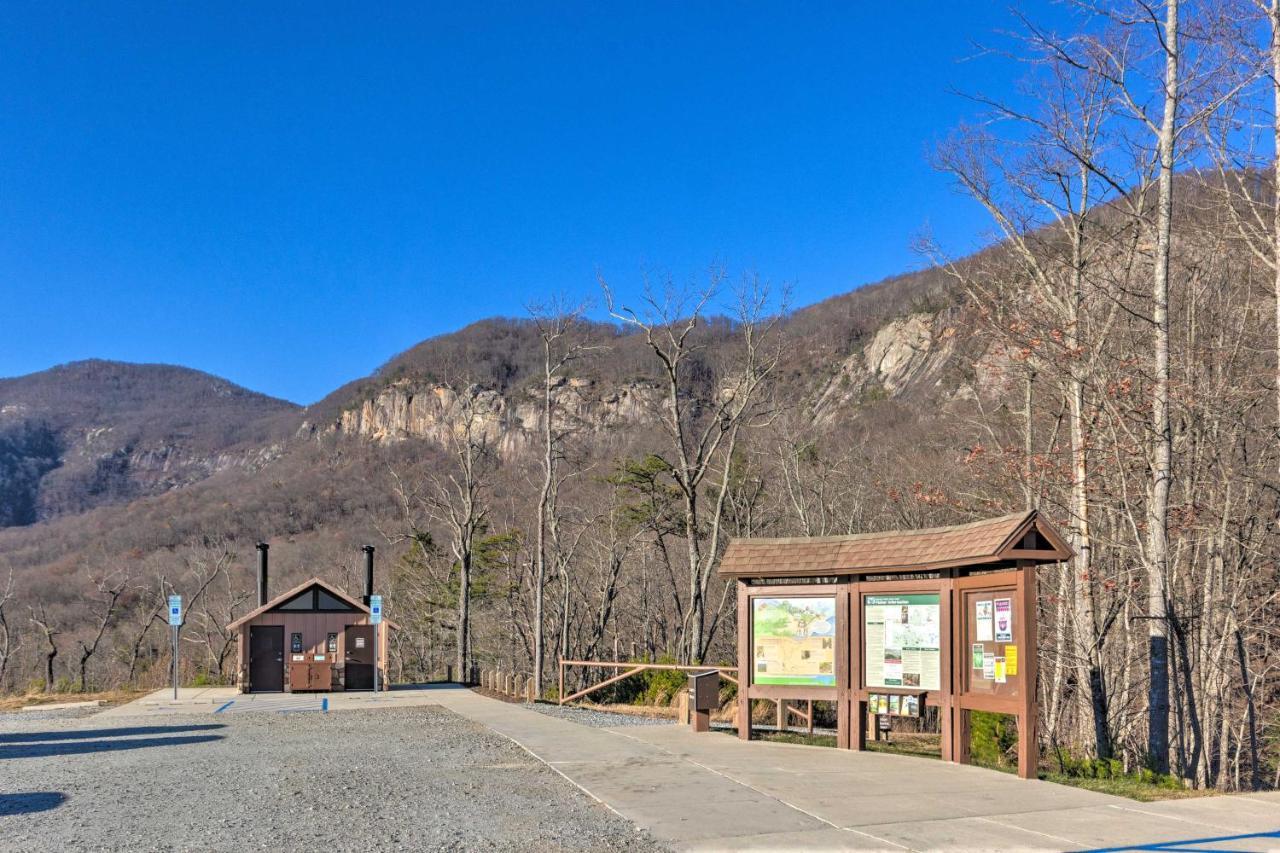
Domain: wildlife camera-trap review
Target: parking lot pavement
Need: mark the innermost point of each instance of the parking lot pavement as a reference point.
(399, 778)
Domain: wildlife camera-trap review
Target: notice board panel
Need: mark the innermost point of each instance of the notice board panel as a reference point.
(793, 640)
(902, 638)
(991, 654)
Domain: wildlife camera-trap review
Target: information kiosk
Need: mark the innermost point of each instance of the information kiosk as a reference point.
(892, 623)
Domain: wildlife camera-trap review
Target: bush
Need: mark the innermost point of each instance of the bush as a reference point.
(993, 739)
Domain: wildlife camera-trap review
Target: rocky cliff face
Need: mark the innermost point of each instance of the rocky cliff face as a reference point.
(905, 353)
(406, 409)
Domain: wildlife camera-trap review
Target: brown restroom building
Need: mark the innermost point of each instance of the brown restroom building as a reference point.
(313, 637)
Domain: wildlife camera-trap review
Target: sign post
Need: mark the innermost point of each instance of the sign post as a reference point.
(175, 622)
(375, 619)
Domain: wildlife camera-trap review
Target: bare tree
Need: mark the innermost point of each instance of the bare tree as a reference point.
(557, 330)
(108, 589)
(52, 630)
(703, 430)
(10, 640)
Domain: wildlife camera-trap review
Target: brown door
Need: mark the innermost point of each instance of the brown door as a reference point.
(266, 658)
(359, 657)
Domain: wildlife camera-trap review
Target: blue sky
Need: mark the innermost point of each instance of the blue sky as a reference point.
(288, 195)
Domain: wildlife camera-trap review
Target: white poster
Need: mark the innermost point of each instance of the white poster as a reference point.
(985, 632)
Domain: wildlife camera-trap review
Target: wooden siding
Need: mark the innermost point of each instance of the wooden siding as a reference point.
(315, 627)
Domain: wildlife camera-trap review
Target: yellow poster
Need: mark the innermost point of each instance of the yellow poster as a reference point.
(1011, 660)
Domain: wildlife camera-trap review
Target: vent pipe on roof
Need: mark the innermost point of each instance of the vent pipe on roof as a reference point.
(368, 573)
(262, 573)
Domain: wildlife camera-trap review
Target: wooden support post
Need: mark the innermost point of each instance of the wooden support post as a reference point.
(781, 715)
(702, 721)
(560, 694)
(951, 618)
(744, 661)
(851, 721)
(810, 701)
(1028, 744)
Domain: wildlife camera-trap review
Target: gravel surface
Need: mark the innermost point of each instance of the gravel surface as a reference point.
(390, 779)
(598, 719)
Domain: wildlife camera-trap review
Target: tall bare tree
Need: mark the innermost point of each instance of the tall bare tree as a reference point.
(703, 429)
(557, 330)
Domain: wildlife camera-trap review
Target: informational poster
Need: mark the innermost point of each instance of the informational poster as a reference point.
(794, 640)
(1011, 660)
(989, 665)
(1004, 620)
(975, 653)
(999, 671)
(902, 635)
(986, 633)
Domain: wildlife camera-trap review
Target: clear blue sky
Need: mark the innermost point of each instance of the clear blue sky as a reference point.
(288, 195)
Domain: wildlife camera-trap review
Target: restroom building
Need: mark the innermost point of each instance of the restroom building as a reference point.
(312, 637)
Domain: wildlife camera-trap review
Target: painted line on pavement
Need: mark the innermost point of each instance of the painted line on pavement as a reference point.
(225, 707)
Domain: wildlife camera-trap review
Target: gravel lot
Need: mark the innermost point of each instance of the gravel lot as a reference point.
(598, 719)
(404, 779)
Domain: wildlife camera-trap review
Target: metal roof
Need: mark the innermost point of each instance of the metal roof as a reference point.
(978, 543)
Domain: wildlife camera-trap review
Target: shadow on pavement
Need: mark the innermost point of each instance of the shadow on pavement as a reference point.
(44, 750)
(30, 801)
(88, 734)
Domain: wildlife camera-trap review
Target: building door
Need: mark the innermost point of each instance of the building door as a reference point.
(266, 658)
(359, 657)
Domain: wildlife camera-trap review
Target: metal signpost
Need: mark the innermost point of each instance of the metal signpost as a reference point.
(175, 622)
(375, 619)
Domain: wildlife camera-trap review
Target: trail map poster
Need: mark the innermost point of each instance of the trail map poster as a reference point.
(903, 637)
(794, 640)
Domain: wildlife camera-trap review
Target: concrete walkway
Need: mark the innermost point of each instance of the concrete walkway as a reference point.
(714, 792)
(229, 700)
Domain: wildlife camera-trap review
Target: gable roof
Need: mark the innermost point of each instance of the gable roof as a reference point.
(991, 541)
(298, 590)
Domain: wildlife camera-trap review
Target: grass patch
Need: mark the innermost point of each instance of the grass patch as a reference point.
(797, 738)
(1130, 787)
(14, 702)
(920, 747)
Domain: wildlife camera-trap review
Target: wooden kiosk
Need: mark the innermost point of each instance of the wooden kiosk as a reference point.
(891, 623)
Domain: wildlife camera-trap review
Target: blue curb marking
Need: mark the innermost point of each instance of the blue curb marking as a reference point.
(225, 707)
(1188, 845)
(324, 704)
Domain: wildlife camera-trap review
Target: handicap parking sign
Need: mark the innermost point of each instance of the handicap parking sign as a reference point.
(375, 609)
(175, 610)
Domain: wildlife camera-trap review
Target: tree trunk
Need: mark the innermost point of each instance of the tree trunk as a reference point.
(463, 630)
(1162, 455)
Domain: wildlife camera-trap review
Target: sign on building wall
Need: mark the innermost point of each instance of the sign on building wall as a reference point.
(794, 641)
(903, 637)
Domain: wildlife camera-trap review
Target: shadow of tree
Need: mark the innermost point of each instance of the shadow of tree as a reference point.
(44, 750)
(90, 734)
(27, 802)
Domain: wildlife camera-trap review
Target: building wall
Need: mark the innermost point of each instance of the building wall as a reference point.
(315, 628)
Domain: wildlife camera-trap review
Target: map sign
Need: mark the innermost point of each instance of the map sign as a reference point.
(903, 635)
(794, 640)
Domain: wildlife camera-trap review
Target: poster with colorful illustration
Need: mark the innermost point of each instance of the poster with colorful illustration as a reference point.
(794, 640)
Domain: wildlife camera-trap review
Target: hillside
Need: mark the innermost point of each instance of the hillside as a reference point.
(90, 433)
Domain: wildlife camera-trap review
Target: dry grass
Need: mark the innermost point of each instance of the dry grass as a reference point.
(14, 702)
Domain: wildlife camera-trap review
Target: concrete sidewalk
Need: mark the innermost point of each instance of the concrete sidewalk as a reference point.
(208, 700)
(714, 792)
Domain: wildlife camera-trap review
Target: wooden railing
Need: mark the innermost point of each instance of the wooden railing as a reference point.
(632, 668)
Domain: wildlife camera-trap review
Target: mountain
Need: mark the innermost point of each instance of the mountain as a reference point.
(90, 433)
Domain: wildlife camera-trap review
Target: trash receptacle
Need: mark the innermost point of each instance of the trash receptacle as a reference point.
(704, 697)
